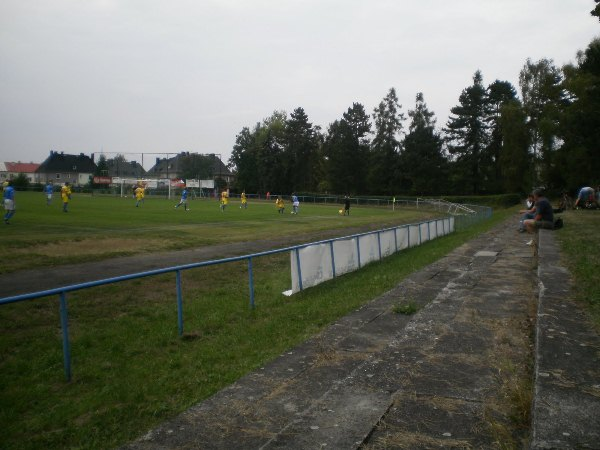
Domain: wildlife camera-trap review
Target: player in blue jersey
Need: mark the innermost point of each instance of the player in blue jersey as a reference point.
(48, 191)
(183, 200)
(295, 203)
(9, 202)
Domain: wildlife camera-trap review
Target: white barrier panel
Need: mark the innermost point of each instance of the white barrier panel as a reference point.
(321, 262)
(433, 230)
(402, 238)
(369, 249)
(315, 266)
(388, 242)
(346, 256)
(413, 234)
(424, 228)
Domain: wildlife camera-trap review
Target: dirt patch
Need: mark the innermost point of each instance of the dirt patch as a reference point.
(95, 247)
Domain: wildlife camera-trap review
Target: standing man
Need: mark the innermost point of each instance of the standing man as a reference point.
(244, 200)
(65, 194)
(183, 200)
(48, 190)
(346, 205)
(295, 203)
(9, 202)
(544, 215)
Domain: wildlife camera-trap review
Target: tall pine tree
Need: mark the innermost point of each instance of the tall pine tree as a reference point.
(514, 159)
(467, 138)
(383, 175)
(301, 153)
(422, 160)
(499, 93)
(346, 150)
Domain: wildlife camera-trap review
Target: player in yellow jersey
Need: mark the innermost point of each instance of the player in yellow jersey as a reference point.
(224, 200)
(244, 200)
(139, 195)
(280, 205)
(65, 195)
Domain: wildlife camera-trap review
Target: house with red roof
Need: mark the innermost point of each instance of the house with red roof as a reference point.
(10, 170)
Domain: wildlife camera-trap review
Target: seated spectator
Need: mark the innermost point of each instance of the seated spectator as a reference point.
(528, 213)
(544, 217)
(530, 202)
(586, 198)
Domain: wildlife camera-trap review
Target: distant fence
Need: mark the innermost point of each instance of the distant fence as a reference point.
(364, 248)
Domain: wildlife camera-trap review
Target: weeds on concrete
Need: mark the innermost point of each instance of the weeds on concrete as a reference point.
(406, 308)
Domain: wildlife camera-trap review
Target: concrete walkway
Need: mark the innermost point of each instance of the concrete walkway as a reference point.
(454, 375)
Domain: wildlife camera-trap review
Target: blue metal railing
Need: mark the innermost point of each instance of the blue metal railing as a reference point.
(62, 291)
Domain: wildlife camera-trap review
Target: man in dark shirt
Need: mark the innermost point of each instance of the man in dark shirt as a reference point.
(544, 216)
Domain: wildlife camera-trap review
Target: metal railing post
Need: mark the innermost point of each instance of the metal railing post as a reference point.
(299, 269)
(358, 250)
(179, 303)
(64, 323)
(332, 258)
(251, 282)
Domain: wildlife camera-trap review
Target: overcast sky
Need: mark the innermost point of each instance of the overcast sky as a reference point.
(188, 75)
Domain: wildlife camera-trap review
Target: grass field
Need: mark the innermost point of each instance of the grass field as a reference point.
(131, 371)
(102, 227)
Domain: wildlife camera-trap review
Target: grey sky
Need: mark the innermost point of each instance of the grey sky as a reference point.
(158, 76)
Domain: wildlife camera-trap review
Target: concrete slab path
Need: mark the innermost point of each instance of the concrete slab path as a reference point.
(449, 376)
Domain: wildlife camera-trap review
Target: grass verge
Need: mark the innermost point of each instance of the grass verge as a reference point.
(130, 369)
(580, 252)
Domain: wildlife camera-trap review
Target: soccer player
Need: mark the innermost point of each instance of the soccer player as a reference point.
(9, 202)
(48, 190)
(183, 200)
(295, 203)
(346, 206)
(139, 195)
(224, 200)
(280, 205)
(244, 200)
(65, 194)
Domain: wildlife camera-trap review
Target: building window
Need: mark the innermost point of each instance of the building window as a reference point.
(58, 176)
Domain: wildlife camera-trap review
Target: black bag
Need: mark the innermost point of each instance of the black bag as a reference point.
(558, 224)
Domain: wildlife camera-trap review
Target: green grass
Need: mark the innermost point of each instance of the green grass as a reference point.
(580, 251)
(130, 369)
(406, 309)
(102, 227)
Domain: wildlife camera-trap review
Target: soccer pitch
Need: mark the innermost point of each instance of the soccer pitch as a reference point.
(102, 227)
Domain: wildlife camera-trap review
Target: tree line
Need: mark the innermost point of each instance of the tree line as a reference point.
(494, 141)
